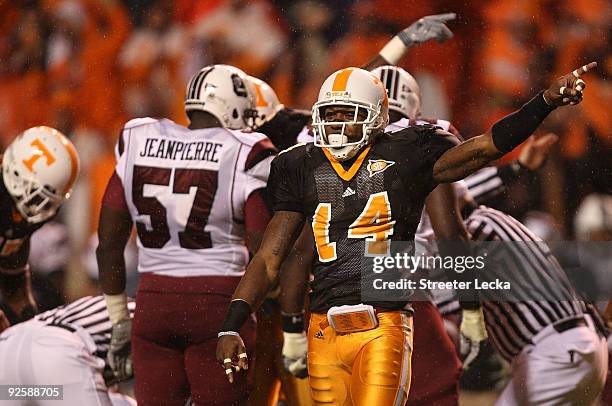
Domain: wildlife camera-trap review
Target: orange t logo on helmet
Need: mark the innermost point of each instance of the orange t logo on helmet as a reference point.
(40, 151)
(261, 100)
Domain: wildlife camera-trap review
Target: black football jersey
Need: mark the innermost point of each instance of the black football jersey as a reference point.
(15, 231)
(379, 197)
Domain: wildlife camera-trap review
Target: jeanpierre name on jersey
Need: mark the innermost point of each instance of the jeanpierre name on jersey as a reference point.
(178, 150)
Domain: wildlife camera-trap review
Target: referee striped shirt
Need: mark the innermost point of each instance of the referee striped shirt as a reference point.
(89, 313)
(530, 265)
(485, 183)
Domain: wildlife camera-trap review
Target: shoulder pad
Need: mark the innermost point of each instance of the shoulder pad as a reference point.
(247, 138)
(294, 155)
(293, 147)
(137, 122)
(261, 150)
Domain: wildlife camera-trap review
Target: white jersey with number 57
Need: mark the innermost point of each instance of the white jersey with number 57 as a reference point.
(186, 191)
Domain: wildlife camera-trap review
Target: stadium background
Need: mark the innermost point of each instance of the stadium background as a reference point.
(87, 66)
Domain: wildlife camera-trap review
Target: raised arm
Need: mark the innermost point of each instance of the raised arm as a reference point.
(422, 30)
(261, 275)
(508, 133)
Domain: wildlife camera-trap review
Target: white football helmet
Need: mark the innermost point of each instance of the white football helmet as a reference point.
(594, 215)
(266, 101)
(39, 169)
(224, 92)
(356, 88)
(402, 89)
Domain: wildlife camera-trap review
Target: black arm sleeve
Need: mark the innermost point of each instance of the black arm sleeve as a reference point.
(510, 132)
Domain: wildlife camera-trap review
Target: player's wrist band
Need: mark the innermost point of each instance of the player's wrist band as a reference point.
(512, 130)
(293, 322)
(470, 305)
(238, 312)
(393, 51)
(117, 306)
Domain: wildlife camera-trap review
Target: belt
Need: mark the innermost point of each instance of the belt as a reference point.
(323, 324)
(64, 326)
(565, 325)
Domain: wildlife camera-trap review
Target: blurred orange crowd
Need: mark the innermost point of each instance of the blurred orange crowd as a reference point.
(87, 66)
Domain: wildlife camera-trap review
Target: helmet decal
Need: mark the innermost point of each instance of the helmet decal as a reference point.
(341, 80)
(38, 170)
(38, 152)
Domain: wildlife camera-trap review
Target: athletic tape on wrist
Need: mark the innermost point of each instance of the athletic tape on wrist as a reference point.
(393, 51)
(117, 306)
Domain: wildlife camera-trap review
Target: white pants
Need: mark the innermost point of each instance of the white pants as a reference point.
(33, 353)
(567, 368)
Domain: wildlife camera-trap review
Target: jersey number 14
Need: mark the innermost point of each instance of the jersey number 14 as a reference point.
(374, 224)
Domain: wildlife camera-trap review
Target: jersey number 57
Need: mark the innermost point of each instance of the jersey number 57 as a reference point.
(194, 236)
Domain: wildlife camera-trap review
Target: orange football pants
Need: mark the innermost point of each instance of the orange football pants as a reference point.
(366, 368)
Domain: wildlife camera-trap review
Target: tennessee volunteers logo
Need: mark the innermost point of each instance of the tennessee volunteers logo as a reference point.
(340, 83)
(261, 100)
(39, 152)
(378, 166)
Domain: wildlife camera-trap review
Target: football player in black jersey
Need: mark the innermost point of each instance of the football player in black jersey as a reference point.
(358, 183)
(286, 127)
(38, 170)
(435, 353)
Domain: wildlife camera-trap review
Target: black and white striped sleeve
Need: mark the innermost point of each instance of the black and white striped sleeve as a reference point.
(491, 181)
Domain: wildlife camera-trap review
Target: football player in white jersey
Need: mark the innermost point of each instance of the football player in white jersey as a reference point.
(38, 170)
(194, 195)
(64, 346)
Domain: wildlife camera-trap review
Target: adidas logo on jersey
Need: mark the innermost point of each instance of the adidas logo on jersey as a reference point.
(319, 335)
(348, 192)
